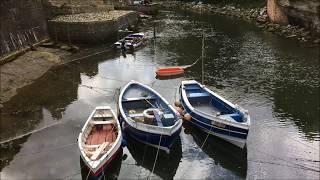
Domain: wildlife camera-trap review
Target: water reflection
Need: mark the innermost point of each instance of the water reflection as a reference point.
(299, 104)
(9, 150)
(169, 77)
(222, 153)
(44, 100)
(166, 165)
(111, 171)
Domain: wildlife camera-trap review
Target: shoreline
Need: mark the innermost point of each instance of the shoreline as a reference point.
(26, 68)
(257, 16)
(33, 64)
(23, 67)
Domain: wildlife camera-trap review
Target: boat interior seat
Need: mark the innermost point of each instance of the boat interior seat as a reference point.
(136, 115)
(168, 120)
(198, 94)
(234, 116)
(90, 147)
(103, 122)
(105, 114)
(161, 120)
(137, 99)
(237, 117)
(191, 88)
(100, 149)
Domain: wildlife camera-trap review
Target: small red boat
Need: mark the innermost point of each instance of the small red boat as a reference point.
(169, 71)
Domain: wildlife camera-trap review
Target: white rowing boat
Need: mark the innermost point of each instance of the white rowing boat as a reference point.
(100, 139)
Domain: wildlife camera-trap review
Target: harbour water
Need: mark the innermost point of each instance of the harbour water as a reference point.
(276, 79)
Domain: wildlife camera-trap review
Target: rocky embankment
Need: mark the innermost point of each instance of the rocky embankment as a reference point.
(258, 16)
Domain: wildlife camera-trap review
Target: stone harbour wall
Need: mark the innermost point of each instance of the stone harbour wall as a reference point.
(22, 23)
(87, 31)
(63, 7)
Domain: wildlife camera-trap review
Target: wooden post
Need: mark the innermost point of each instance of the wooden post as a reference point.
(154, 30)
(117, 100)
(55, 33)
(68, 29)
(202, 55)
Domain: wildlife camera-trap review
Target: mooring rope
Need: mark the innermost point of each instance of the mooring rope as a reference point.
(107, 49)
(74, 174)
(201, 146)
(143, 157)
(289, 162)
(296, 166)
(28, 133)
(188, 66)
(47, 150)
(156, 158)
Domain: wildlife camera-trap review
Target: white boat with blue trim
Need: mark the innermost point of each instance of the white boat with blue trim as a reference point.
(148, 117)
(131, 42)
(214, 114)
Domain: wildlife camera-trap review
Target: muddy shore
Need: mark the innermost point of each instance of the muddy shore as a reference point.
(30, 66)
(256, 15)
(27, 68)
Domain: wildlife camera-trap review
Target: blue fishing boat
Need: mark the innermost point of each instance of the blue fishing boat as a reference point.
(214, 114)
(147, 117)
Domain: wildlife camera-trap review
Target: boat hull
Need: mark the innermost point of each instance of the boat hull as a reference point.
(237, 138)
(235, 133)
(129, 47)
(151, 139)
(169, 71)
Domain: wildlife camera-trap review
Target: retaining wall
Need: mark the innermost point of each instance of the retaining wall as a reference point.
(22, 22)
(62, 7)
(90, 32)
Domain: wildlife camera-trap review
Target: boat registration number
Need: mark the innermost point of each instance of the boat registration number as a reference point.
(218, 124)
